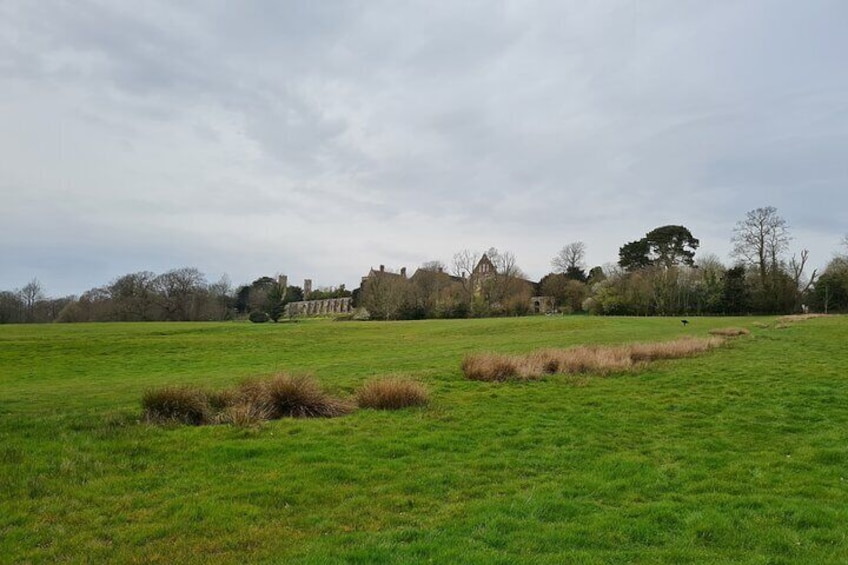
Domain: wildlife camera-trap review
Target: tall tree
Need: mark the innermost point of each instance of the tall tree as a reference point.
(571, 261)
(634, 255)
(178, 292)
(672, 245)
(760, 240)
(665, 246)
(30, 295)
(133, 296)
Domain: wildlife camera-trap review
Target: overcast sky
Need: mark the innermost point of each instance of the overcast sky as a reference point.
(319, 139)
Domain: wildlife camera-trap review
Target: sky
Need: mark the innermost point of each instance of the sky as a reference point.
(320, 139)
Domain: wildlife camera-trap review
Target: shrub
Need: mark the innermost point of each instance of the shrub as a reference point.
(183, 404)
(730, 332)
(392, 394)
(258, 317)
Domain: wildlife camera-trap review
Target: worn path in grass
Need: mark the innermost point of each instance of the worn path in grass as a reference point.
(740, 455)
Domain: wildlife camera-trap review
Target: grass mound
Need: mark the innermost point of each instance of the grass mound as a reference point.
(392, 394)
(594, 360)
(180, 404)
(730, 332)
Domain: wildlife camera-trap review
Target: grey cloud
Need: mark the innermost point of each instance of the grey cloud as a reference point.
(378, 132)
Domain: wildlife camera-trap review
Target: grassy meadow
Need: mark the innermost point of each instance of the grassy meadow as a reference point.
(737, 455)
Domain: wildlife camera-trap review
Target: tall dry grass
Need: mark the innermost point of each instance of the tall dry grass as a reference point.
(392, 394)
(801, 317)
(730, 332)
(182, 404)
(249, 403)
(489, 367)
(595, 360)
(285, 395)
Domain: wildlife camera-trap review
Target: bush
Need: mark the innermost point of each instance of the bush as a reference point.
(258, 317)
(392, 394)
(183, 404)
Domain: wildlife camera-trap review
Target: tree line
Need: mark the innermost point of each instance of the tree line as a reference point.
(657, 274)
(182, 294)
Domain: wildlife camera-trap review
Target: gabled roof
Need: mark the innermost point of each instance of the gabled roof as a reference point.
(484, 267)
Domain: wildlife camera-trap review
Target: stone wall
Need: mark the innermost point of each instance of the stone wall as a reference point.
(329, 307)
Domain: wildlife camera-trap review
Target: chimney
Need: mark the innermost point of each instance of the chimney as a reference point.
(307, 288)
(403, 272)
(382, 268)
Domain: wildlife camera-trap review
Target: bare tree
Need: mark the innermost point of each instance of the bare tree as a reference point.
(133, 296)
(433, 267)
(178, 292)
(505, 262)
(464, 263)
(386, 295)
(462, 267)
(30, 295)
(760, 239)
(221, 293)
(570, 258)
(802, 286)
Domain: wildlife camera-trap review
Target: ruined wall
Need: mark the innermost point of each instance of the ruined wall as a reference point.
(329, 307)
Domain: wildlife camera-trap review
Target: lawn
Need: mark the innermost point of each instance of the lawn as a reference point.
(739, 455)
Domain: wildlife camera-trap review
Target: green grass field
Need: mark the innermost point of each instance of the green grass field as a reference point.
(739, 455)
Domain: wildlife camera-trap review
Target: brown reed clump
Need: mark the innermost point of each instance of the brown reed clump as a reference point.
(677, 349)
(730, 332)
(801, 317)
(243, 415)
(247, 404)
(580, 360)
(489, 367)
(296, 396)
(182, 404)
(392, 394)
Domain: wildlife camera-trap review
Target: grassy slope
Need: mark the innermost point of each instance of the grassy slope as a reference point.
(740, 455)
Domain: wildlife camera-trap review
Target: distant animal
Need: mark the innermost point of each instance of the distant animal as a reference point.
(684, 322)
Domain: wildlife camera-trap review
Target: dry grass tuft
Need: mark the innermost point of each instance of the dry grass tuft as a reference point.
(181, 404)
(677, 349)
(761, 325)
(392, 394)
(248, 404)
(580, 360)
(299, 397)
(801, 317)
(489, 367)
(243, 415)
(730, 332)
